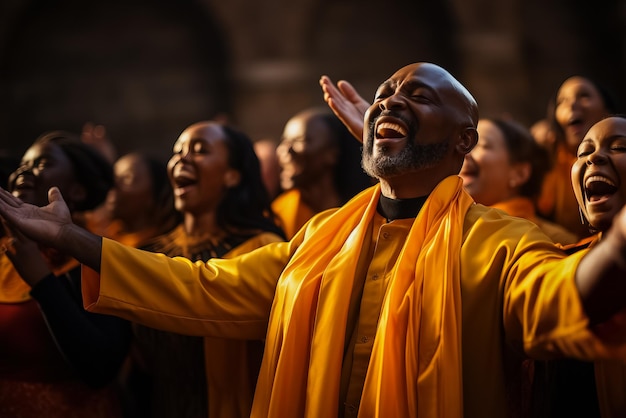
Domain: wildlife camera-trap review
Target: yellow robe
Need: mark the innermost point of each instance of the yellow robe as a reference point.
(291, 211)
(523, 207)
(557, 201)
(231, 364)
(518, 294)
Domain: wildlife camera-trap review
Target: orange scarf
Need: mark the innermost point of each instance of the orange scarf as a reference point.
(415, 367)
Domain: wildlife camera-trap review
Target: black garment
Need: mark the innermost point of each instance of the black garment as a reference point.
(162, 384)
(564, 388)
(392, 209)
(95, 345)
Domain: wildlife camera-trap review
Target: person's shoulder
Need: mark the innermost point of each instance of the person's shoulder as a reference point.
(498, 223)
(559, 234)
(478, 212)
(285, 197)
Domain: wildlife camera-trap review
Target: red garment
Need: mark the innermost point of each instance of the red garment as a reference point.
(35, 380)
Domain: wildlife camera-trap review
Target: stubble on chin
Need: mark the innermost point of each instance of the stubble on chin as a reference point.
(412, 157)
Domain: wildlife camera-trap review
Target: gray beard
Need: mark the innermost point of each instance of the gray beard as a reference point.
(412, 157)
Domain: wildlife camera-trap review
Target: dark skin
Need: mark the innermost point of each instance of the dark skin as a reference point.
(440, 109)
(42, 166)
(601, 297)
(599, 180)
(422, 93)
(308, 154)
(421, 103)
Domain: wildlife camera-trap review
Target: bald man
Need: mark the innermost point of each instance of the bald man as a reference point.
(408, 301)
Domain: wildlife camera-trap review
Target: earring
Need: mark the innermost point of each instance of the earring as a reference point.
(583, 220)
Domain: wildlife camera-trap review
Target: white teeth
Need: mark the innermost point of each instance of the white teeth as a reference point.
(392, 126)
(599, 178)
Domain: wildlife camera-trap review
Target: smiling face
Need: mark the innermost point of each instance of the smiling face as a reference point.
(308, 150)
(579, 105)
(599, 173)
(487, 170)
(421, 119)
(44, 165)
(199, 169)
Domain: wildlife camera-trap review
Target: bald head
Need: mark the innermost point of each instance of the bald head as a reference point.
(422, 120)
(445, 85)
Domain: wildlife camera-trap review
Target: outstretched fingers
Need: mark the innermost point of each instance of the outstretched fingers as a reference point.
(329, 88)
(353, 96)
(346, 103)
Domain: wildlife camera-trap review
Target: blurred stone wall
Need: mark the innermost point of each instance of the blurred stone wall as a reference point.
(147, 69)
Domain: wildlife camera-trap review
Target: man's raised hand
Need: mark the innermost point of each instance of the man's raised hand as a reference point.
(346, 103)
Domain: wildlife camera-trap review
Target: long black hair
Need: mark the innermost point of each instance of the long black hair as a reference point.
(246, 206)
(162, 192)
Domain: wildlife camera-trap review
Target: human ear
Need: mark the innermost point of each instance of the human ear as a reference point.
(467, 140)
(519, 174)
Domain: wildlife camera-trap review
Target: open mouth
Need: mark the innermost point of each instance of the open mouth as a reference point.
(575, 122)
(390, 130)
(598, 188)
(577, 126)
(183, 180)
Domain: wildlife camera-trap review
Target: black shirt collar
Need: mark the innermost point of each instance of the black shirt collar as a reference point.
(400, 208)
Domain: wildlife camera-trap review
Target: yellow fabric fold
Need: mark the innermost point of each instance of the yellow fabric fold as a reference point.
(291, 211)
(418, 343)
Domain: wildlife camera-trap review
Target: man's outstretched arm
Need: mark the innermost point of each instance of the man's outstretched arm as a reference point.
(52, 226)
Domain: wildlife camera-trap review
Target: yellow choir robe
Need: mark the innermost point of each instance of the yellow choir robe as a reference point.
(471, 288)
